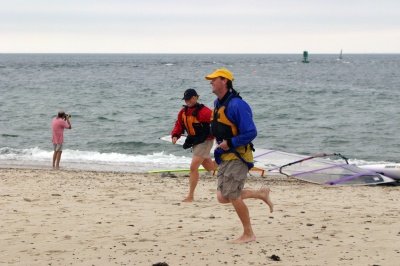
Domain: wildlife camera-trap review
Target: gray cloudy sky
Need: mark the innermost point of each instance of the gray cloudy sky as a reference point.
(204, 26)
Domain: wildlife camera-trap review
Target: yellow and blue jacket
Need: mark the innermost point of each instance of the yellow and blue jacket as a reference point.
(233, 121)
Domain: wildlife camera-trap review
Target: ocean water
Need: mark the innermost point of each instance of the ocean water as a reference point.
(121, 104)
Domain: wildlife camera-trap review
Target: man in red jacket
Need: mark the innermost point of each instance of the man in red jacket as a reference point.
(195, 119)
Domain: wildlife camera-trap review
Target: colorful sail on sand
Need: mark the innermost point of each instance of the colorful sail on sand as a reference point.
(324, 169)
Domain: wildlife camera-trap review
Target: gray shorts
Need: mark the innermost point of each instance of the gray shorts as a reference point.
(203, 149)
(57, 147)
(231, 178)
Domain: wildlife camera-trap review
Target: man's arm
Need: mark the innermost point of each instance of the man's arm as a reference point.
(69, 123)
(243, 118)
(177, 131)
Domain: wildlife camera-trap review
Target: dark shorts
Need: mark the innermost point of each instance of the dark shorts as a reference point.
(57, 147)
(231, 178)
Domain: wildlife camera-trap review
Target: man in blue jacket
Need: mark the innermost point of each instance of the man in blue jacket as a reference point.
(234, 129)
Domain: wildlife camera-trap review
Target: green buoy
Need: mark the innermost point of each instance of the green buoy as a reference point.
(305, 57)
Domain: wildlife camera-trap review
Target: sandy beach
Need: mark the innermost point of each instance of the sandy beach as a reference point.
(103, 218)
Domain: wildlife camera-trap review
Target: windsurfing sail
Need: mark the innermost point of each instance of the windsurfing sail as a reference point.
(324, 169)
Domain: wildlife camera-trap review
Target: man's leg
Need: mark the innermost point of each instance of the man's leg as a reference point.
(262, 194)
(209, 164)
(54, 159)
(58, 158)
(193, 177)
(222, 199)
(231, 179)
(243, 213)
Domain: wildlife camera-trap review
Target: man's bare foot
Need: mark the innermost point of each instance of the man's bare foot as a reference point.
(244, 239)
(188, 199)
(265, 197)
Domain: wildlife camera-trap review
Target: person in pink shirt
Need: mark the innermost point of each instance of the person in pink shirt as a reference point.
(58, 125)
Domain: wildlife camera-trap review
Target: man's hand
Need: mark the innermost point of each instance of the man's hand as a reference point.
(69, 122)
(224, 145)
(174, 139)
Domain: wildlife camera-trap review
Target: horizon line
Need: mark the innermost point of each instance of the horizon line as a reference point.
(202, 53)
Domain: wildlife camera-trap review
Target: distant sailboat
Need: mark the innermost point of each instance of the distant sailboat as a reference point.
(341, 54)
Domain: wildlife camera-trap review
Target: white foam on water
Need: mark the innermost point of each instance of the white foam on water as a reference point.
(93, 160)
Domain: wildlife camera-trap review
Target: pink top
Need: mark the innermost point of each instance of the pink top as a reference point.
(58, 125)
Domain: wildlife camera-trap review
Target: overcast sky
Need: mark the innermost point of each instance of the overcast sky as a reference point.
(203, 26)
